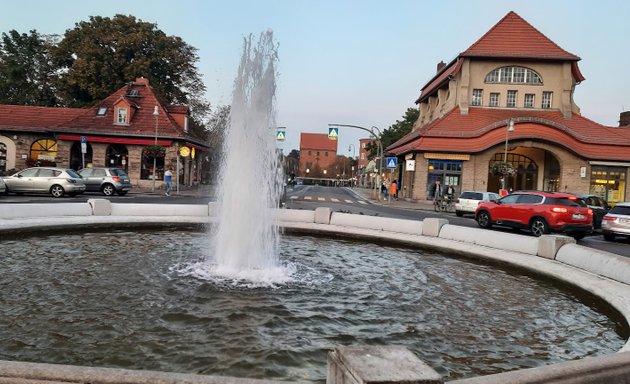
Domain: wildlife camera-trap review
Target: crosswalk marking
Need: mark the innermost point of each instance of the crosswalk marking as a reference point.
(334, 200)
(293, 197)
(321, 199)
(331, 199)
(308, 198)
(349, 201)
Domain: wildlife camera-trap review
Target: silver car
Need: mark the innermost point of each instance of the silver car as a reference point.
(3, 186)
(106, 180)
(617, 222)
(53, 180)
(468, 201)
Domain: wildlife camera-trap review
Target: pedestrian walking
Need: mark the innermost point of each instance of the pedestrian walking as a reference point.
(393, 189)
(168, 179)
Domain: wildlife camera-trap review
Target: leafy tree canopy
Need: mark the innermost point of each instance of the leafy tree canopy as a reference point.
(99, 56)
(27, 74)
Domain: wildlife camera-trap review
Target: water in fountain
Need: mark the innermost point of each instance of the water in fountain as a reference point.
(246, 239)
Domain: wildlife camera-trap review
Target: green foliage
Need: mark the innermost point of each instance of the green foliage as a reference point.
(99, 56)
(501, 168)
(27, 74)
(154, 151)
(395, 131)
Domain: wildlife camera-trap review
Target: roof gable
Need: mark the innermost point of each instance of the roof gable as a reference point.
(513, 37)
(317, 141)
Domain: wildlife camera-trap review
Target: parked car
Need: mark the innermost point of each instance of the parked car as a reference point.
(540, 212)
(468, 201)
(106, 180)
(617, 222)
(3, 187)
(599, 206)
(53, 180)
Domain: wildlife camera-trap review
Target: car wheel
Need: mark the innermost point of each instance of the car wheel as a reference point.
(122, 193)
(609, 237)
(538, 226)
(108, 189)
(459, 213)
(484, 220)
(57, 191)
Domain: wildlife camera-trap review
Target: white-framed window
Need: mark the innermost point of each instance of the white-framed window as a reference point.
(477, 97)
(511, 98)
(494, 99)
(518, 75)
(121, 116)
(546, 99)
(101, 111)
(529, 100)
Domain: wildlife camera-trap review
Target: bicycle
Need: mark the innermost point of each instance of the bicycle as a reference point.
(444, 204)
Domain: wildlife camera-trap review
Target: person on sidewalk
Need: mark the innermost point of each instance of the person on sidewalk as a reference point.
(168, 179)
(393, 189)
(384, 189)
(436, 190)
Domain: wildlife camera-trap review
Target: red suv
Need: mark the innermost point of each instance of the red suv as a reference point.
(540, 212)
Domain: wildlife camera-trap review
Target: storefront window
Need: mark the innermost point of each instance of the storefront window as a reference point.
(609, 183)
(449, 172)
(43, 152)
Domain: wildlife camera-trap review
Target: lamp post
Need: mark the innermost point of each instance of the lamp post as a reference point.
(353, 149)
(155, 114)
(509, 128)
(374, 131)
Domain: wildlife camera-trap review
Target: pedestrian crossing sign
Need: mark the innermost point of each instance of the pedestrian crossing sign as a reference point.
(392, 162)
(280, 135)
(333, 133)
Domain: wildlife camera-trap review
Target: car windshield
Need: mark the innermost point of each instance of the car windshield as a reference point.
(73, 174)
(620, 210)
(118, 172)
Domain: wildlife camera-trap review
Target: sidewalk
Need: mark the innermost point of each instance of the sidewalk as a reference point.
(368, 194)
(184, 190)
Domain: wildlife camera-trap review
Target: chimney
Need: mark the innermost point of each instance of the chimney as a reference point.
(624, 119)
(142, 80)
(440, 65)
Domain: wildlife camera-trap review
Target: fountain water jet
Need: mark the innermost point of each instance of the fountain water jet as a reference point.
(246, 239)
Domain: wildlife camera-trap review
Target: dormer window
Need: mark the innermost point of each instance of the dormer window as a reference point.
(121, 116)
(133, 93)
(101, 111)
(513, 75)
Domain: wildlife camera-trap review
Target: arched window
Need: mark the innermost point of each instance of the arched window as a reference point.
(43, 152)
(514, 75)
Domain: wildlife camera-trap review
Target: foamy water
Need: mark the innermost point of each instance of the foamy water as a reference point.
(245, 243)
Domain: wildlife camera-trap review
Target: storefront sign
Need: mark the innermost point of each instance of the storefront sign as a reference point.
(410, 165)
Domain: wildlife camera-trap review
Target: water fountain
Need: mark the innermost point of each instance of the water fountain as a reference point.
(270, 307)
(246, 239)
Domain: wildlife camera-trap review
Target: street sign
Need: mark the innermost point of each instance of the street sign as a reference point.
(184, 151)
(83, 147)
(392, 162)
(280, 135)
(333, 133)
(83, 139)
(410, 165)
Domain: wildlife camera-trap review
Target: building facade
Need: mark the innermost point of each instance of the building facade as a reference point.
(126, 130)
(502, 115)
(318, 155)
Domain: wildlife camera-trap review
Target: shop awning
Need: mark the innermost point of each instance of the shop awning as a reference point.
(115, 140)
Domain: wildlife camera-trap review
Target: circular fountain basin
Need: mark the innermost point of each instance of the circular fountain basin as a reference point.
(145, 300)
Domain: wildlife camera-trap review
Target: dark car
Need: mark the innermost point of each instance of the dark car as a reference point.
(599, 206)
(540, 212)
(106, 180)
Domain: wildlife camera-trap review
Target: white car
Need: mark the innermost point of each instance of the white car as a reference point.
(468, 201)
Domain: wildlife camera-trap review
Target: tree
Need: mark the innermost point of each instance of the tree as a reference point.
(27, 73)
(99, 56)
(395, 131)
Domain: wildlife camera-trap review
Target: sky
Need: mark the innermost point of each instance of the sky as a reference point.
(359, 62)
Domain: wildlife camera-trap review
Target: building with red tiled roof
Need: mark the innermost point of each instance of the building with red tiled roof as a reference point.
(117, 132)
(509, 98)
(318, 155)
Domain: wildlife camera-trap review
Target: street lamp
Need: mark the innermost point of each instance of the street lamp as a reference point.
(374, 131)
(353, 149)
(509, 128)
(155, 114)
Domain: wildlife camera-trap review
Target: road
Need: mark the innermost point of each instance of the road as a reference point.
(310, 197)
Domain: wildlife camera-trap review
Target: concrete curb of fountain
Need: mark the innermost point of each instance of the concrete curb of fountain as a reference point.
(605, 275)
